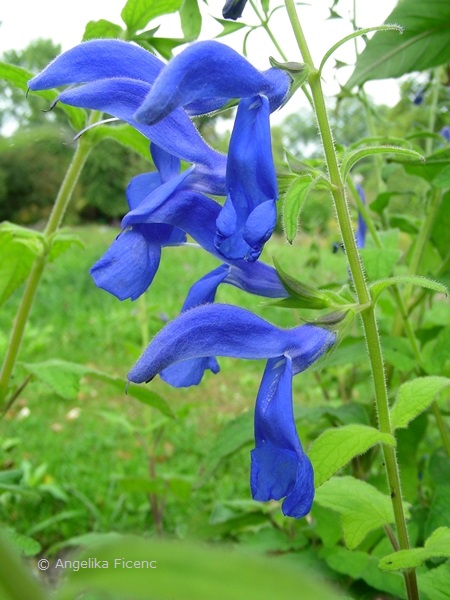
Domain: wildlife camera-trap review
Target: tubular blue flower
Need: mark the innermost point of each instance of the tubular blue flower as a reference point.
(204, 77)
(249, 215)
(279, 466)
(233, 9)
(115, 77)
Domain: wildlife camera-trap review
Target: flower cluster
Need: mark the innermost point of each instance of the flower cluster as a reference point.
(167, 205)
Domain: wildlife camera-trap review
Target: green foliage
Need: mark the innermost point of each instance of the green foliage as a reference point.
(436, 546)
(414, 397)
(423, 44)
(334, 448)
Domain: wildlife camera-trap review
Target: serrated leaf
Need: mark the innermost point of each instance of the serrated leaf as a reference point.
(191, 19)
(293, 203)
(436, 546)
(26, 545)
(377, 287)
(102, 29)
(362, 507)
(424, 43)
(334, 448)
(62, 376)
(136, 14)
(20, 77)
(414, 397)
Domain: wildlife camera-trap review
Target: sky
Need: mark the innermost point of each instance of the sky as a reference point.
(23, 21)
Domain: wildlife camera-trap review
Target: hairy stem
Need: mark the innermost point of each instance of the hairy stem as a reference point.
(362, 291)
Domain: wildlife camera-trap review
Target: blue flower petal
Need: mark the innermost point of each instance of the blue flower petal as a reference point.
(207, 70)
(224, 330)
(279, 466)
(362, 225)
(233, 9)
(248, 217)
(128, 266)
(176, 134)
(98, 59)
(190, 372)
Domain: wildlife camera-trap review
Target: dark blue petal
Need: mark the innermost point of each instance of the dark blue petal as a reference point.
(233, 9)
(98, 59)
(196, 215)
(128, 266)
(141, 186)
(207, 70)
(279, 466)
(224, 330)
(176, 134)
(248, 217)
(167, 164)
(190, 372)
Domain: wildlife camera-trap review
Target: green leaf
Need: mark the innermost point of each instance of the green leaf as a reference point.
(306, 295)
(362, 507)
(19, 77)
(424, 43)
(353, 157)
(191, 19)
(414, 397)
(360, 565)
(16, 581)
(334, 448)
(294, 199)
(236, 434)
(431, 169)
(136, 14)
(102, 29)
(379, 262)
(61, 242)
(62, 376)
(441, 227)
(18, 255)
(138, 392)
(436, 546)
(377, 287)
(26, 545)
(189, 571)
(436, 582)
(229, 27)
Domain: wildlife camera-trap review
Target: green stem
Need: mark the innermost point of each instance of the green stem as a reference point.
(34, 278)
(362, 291)
(267, 29)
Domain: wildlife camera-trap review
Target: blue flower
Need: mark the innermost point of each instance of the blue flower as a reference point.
(280, 468)
(204, 77)
(445, 132)
(115, 77)
(233, 9)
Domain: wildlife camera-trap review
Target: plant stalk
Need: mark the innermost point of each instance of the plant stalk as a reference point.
(56, 216)
(362, 291)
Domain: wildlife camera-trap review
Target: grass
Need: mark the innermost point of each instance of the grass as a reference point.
(71, 456)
